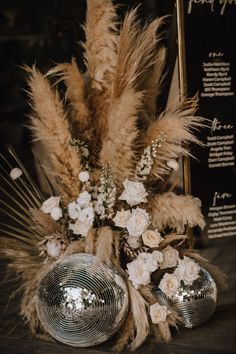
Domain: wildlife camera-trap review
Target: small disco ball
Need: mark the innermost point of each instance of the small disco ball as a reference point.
(194, 303)
(82, 302)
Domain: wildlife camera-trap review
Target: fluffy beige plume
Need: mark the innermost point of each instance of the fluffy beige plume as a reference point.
(104, 244)
(117, 149)
(49, 125)
(178, 126)
(90, 241)
(101, 57)
(137, 53)
(138, 308)
(126, 334)
(43, 224)
(168, 210)
(76, 93)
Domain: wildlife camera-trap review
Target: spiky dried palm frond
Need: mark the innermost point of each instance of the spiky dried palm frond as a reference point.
(76, 94)
(50, 126)
(169, 210)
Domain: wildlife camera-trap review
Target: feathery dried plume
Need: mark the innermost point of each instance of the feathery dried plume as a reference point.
(90, 241)
(104, 243)
(126, 334)
(43, 223)
(137, 53)
(49, 125)
(175, 212)
(76, 94)
(138, 308)
(178, 125)
(117, 149)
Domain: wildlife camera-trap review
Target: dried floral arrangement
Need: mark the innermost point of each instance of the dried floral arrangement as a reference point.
(110, 164)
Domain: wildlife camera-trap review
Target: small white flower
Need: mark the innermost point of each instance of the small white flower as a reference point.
(138, 222)
(151, 238)
(84, 198)
(149, 261)
(84, 176)
(121, 218)
(73, 210)
(50, 204)
(170, 257)
(53, 248)
(158, 256)
(138, 273)
(169, 284)
(133, 242)
(158, 313)
(87, 215)
(174, 165)
(56, 213)
(15, 173)
(134, 193)
(187, 270)
(80, 227)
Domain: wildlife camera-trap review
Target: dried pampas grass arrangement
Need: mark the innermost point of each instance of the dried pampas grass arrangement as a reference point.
(103, 168)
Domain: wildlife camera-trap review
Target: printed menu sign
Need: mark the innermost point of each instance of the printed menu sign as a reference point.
(210, 54)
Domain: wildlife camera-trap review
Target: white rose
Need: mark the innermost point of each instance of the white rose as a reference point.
(158, 313)
(121, 218)
(53, 248)
(133, 242)
(158, 256)
(134, 193)
(170, 257)
(138, 222)
(56, 213)
(87, 215)
(138, 273)
(50, 204)
(73, 210)
(84, 176)
(151, 238)
(174, 165)
(84, 198)
(169, 284)
(15, 173)
(187, 270)
(80, 227)
(149, 261)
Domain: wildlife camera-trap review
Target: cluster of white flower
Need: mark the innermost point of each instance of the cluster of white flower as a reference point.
(106, 196)
(51, 206)
(145, 164)
(82, 212)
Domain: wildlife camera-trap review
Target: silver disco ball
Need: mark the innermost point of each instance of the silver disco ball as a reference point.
(194, 303)
(82, 302)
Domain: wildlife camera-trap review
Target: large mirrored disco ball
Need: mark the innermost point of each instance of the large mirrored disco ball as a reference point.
(82, 302)
(194, 303)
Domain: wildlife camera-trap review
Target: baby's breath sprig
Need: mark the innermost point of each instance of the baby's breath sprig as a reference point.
(146, 162)
(106, 195)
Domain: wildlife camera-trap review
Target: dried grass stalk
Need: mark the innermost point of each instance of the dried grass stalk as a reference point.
(77, 246)
(117, 149)
(126, 334)
(104, 244)
(49, 125)
(138, 308)
(175, 212)
(76, 93)
(173, 238)
(43, 224)
(90, 241)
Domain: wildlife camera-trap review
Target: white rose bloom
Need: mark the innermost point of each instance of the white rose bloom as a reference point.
(80, 227)
(15, 173)
(158, 313)
(133, 242)
(84, 198)
(170, 257)
(158, 256)
(188, 270)
(138, 222)
(53, 248)
(87, 215)
(73, 210)
(138, 273)
(56, 213)
(149, 261)
(169, 284)
(134, 193)
(174, 165)
(152, 238)
(50, 204)
(121, 218)
(84, 176)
